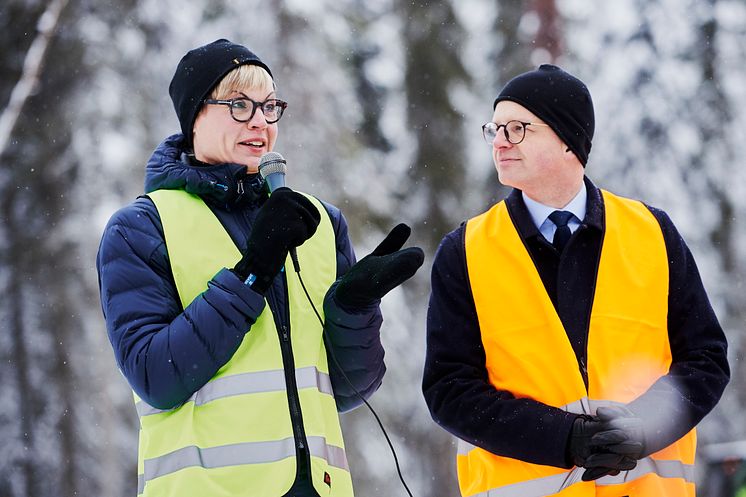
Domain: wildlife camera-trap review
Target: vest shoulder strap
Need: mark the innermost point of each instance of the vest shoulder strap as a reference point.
(186, 218)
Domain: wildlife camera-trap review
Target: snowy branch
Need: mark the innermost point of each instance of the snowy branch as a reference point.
(31, 70)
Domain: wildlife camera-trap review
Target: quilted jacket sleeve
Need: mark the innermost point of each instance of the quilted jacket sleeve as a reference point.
(353, 335)
(165, 352)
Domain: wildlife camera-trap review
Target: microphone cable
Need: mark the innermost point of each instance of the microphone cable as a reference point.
(330, 352)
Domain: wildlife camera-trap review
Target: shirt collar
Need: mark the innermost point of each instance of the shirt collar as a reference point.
(540, 212)
(594, 215)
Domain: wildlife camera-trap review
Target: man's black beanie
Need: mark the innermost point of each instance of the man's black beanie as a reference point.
(199, 71)
(559, 99)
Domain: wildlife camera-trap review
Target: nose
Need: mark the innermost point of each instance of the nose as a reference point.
(257, 120)
(501, 141)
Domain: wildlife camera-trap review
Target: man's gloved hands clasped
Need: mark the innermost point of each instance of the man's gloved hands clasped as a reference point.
(285, 221)
(620, 441)
(379, 272)
(606, 444)
(579, 445)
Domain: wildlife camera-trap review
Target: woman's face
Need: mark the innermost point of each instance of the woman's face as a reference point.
(218, 138)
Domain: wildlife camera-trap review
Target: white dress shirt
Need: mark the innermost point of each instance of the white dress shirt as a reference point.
(540, 213)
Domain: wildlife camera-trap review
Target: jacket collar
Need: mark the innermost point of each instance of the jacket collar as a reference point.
(173, 167)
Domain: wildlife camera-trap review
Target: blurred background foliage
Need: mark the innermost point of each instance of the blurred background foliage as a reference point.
(386, 101)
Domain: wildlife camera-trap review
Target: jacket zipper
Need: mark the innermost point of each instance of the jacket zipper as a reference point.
(282, 321)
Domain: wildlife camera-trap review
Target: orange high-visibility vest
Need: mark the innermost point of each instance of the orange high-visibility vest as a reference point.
(528, 352)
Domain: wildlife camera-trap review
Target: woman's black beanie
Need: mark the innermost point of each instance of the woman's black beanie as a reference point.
(199, 71)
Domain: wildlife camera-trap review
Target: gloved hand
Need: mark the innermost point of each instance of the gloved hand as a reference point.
(579, 445)
(618, 445)
(286, 220)
(379, 272)
(582, 453)
(603, 464)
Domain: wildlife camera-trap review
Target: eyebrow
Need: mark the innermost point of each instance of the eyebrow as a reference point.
(514, 119)
(246, 96)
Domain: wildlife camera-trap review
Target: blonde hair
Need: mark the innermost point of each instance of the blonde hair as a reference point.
(243, 77)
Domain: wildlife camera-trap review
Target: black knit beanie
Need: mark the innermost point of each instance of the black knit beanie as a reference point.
(199, 71)
(559, 99)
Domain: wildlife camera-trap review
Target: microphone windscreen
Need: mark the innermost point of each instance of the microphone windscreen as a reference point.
(271, 163)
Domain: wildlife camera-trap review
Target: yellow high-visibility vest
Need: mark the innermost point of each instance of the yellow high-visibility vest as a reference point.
(234, 436)
(528, 352)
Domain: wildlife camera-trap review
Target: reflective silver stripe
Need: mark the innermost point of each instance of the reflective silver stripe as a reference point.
(550, 485)
(588, 406)
(581, 406)
(310, 377)
(140, 484)
(664, 469)
(595, 404)
(145, 409)
(235, 454)
(221, 456)
(333, 455)
(538, 487)
(247, 383)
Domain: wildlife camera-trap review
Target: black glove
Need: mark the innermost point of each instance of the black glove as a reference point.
(379, 272)
(622, 433)
(598, 465)
(286, 220)
(618, 445)
(579, 445)
(583, 453)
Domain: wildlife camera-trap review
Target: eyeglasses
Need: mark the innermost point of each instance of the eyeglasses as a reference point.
(243, 108)
(515, 131)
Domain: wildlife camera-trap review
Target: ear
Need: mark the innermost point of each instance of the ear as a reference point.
(568, 154)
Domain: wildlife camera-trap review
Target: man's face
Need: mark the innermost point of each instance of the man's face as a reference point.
(218, 138)
(539, 159)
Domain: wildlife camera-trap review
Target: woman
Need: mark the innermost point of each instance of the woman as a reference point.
(222, 347)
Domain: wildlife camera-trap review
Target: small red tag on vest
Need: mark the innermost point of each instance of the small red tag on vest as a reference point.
(327, 479)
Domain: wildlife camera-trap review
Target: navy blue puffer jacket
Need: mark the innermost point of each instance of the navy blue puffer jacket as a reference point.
(166, 352)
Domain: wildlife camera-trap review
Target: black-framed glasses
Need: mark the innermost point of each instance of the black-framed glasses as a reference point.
(515, 131)
(243, 108)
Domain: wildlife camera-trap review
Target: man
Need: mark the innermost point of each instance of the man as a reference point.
(571, 346)
(224, 348)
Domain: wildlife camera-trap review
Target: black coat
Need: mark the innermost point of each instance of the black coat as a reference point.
(455, 383)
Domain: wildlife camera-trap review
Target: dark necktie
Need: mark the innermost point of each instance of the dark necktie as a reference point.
(562, 234)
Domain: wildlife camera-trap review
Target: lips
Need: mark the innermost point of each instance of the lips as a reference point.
(255, 143)
(507, 160)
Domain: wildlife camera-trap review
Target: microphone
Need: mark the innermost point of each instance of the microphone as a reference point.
(272, 168)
